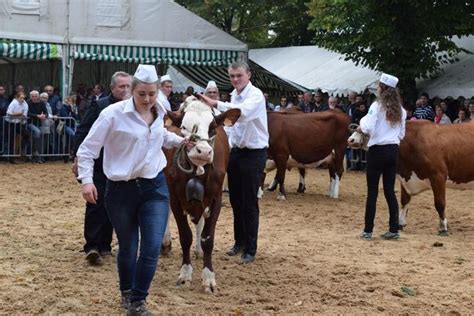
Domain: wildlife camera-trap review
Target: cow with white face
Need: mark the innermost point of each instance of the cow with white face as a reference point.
(431, 157)
(195, 180)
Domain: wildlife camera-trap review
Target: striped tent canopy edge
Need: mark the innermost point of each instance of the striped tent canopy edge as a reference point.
(29, 50)
(261, 78)
(154, 55)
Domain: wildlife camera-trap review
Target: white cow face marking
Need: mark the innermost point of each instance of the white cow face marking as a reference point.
(197, 121)
(357, 141)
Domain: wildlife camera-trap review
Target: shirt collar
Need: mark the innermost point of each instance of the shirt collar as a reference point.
(129, 106)
(244, 92)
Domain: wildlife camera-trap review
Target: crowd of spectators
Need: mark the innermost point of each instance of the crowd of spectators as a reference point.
(42, 124)
(36, 125)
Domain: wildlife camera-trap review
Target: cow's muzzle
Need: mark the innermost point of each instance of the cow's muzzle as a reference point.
(201, 154)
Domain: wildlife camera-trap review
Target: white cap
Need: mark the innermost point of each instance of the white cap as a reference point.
(146, 73)
(211, 84)
(389, 80)
(165, 78)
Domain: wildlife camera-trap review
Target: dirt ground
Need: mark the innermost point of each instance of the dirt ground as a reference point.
(309, 260)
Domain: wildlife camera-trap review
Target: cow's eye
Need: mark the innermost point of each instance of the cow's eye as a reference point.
(183, 128)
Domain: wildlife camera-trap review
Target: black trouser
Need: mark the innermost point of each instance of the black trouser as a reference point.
(97, 227)
(381, 160)
(244, 172)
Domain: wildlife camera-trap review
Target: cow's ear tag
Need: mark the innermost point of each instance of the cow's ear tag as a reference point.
(168, 121)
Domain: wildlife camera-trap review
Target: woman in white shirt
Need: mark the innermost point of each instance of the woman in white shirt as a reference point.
(17, 112)
(136, 198)
(385, 125)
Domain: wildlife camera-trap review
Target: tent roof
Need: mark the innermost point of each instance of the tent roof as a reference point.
(145, 23)
(456, 79)
(315, 68)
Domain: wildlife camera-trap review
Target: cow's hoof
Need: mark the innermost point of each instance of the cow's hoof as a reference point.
(209, 281)
(281, 197)
(300, 190)
(443, 233)
(185, 276)
(400, 227)
(165, 249)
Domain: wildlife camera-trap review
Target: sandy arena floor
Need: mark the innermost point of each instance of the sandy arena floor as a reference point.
(309, 261)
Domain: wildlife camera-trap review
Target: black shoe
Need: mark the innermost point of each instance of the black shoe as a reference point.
(93, 256)
(125, 298)
(390, 236)
(235, 250)
(138, 308)
(106, 253)
(247, 258)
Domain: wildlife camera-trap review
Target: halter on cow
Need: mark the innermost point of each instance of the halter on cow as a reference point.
(195, 180)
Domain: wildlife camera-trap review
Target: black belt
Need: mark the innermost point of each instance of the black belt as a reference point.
(245, 149)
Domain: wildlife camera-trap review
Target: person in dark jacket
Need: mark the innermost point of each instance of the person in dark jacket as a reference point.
(37, 113)
(97, 227)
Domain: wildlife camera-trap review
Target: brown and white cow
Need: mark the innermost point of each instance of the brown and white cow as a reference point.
(195, 180)
(311, 138)
(432, 157)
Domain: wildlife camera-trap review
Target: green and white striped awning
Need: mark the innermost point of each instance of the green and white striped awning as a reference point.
(29, 50)
(261, 78)
(155, 55)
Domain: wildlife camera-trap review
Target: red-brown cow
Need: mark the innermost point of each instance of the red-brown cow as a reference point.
(431, 157)
(308, 138)
(195, 180)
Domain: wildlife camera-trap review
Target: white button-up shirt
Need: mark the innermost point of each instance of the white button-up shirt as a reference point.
(251, 129)
(163, 101)
(132, 149)
(380, 130)
(15, 107)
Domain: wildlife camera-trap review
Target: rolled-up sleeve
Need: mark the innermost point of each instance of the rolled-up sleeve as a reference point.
(248, 111)
(171, 140)
(367, 123)
(90, 148)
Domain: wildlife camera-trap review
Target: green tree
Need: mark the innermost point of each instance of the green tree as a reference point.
(246, 20)
(259, 23)
(408, 38)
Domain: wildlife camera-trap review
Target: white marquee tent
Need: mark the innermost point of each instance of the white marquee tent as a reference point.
(317, 68)
(456, 79)
(145, 31)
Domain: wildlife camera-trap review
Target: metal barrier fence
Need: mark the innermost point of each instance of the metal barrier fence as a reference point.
(357, 159)
(52, 138)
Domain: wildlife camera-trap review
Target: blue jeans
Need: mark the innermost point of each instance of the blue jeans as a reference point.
(138, 207)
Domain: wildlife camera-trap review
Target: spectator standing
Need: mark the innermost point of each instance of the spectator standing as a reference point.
(268, 105)
(307, 105)
(423, 110)
(166, 87)
(98, 92)
(440, 117)
(37, 113)
(462, 117)
(53, 99)
(471, 109)
(97, 226)
(319, 105)
(17, 113)
(3, 112)
(283, 105)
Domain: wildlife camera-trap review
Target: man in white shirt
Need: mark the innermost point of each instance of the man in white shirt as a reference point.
(249, 141)
(166, 87)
